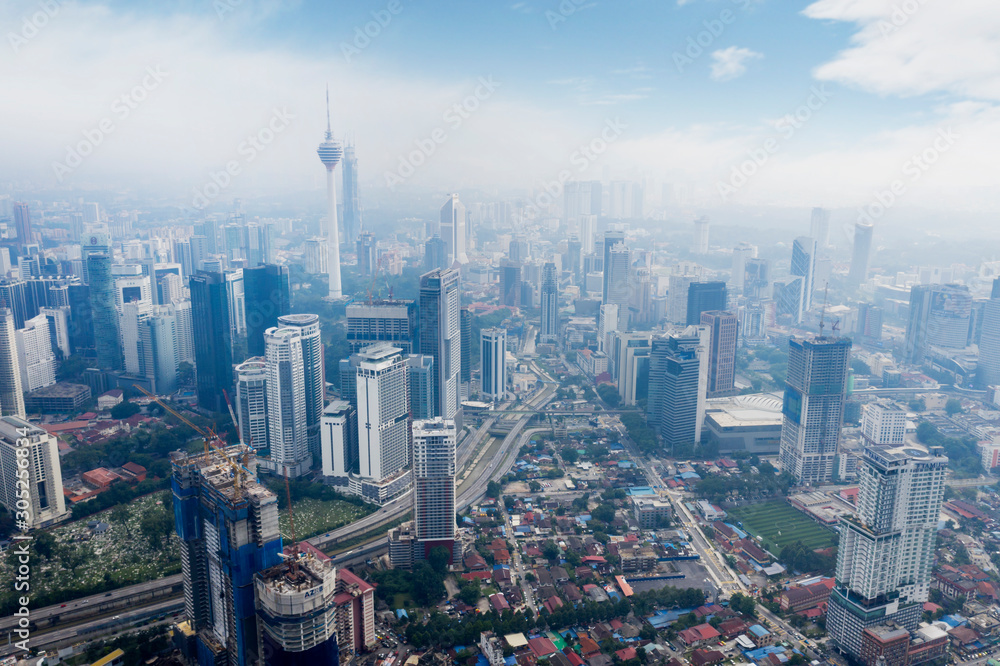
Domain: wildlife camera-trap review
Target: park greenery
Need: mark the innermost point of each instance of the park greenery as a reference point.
(963, 457)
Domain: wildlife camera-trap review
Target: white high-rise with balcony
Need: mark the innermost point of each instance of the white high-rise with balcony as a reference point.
(434, 470)
(883, 423)
(286, 403)
(36, 360)
(22, 440)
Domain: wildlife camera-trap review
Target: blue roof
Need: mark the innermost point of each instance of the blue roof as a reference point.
(401, 612)
(625, 464)
(500, 566)
(758, 630)
(954, 620)
(510, 661)
(690, 475)
(659, 621)
(639, 491)
(760, 653)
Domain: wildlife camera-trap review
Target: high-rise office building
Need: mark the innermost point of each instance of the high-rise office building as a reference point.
(171, 288)
(886, 550)
(352, 202)
(588, 233)
(315, 256)
(22, 223)
(105, 315)
(988, 369)
(722, 352)
(704, 297)
(213, 343)
(286, 403)
(296, 609)
(228, 527)
(741, 253)
(701, 227)
(184, 326)
(630, 360)
(607, 324)
(266, 297)
(798, 295)
(392, 321)
(453, 230)
(819, 227)
(617, 262)
(251, 402)
(21, 440)
(582, 200)
(493, 359)
(573, 259)
(383, 423)
(678, 380)
(367, 251)
(550, 304)
(158, 350)
(14, 295)
(330, 152)
(35, 357)
(58, 318)
(339, 443)
(813, 412)
(510, 283)
(519, 250)
(940, 316)
(756, 279)
(440, 336)
(861, 258)
(465, 376)
(420, 383)
(130, 320)
(435, 253)
(883, 423)
(869, 324)
(434, 471)
(314, 376)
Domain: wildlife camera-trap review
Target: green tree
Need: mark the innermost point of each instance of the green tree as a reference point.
(493, 489)
(534, 486)
(609, 394)
(550, 550)
(185, 374)
(124, 410)
(439, 558)
(156, 525)
(953, 406)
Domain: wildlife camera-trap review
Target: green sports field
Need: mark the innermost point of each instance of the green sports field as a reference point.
(779, 524)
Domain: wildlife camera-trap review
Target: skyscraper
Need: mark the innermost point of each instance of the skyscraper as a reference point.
(813, 412)
(630, 355)
(330, 152)
(420, 384)
(35, 357)
(678, 378)
(286, 403)
(819, 227)
(367, 253)
(863, 234)
(582, 201)
(939, 316)
(440, 336)
(510, 283)
(339, 443)
(883, 423)
(316, 256)
(14, 295)
(266, 297)
(722, 352)
(158, 350)
(251, 403)
(11, 390)
(393, 321)
(886, 550)
(105, 315)
(701, 226)
(704, 297)
(465, 375)
(588, 233)
(435, 253)
(804, 265)
(20, 440)
(988, 370)
(741, 253)
(22, 223)
(58, 318)
(869, 326)
(453, 230)
(352, 203)
(229, 531)
(493, 359)
(314, 375)
(617, 261)
(574, 259)
(756, 279)
(550, 304)
(383, 423)
(213, 345)
(434, 470)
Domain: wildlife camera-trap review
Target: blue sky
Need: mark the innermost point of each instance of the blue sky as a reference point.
(890, 82)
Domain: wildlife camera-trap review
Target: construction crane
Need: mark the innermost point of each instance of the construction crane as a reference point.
(232, 415)
(211, 439)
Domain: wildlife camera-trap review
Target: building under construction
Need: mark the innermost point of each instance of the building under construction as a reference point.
(228, 525)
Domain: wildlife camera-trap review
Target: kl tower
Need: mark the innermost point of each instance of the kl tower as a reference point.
(330, 152)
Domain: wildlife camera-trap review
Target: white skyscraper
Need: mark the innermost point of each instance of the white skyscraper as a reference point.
(35, 358)
(453, 230)
(330, 152)
(617, 272)
(441, 336)
(11, 393)
(819, 226)
(185, 330)
(493, 358)
(133, 314)
(434, 470)
(701, 235)
(607, 324)
(741, 253)
(339, 445)
(172, 286)
(59, 318)
(158, 350)
(886, 550)
(588, 232)
(46, 503)
(383, 415)
(251, 401)
(313, 375)
(286, 403)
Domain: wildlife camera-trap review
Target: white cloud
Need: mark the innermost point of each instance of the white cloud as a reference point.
(731, 63)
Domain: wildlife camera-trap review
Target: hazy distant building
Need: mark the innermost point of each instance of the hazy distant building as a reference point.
(939, 316)
(493, 361)
(819, 226)
(213, 340)
(741, 253)
(105, 314)
(367, 251)
(815, 395)
(510, 283)
(701, 226)
(861, 257)
(435, 253)
(722, 352)
(352, 202)
(869, 324)
(756, 279)
(550, 304)
(988, 370)
(453, 230)
(617, 265)
(704, 297)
